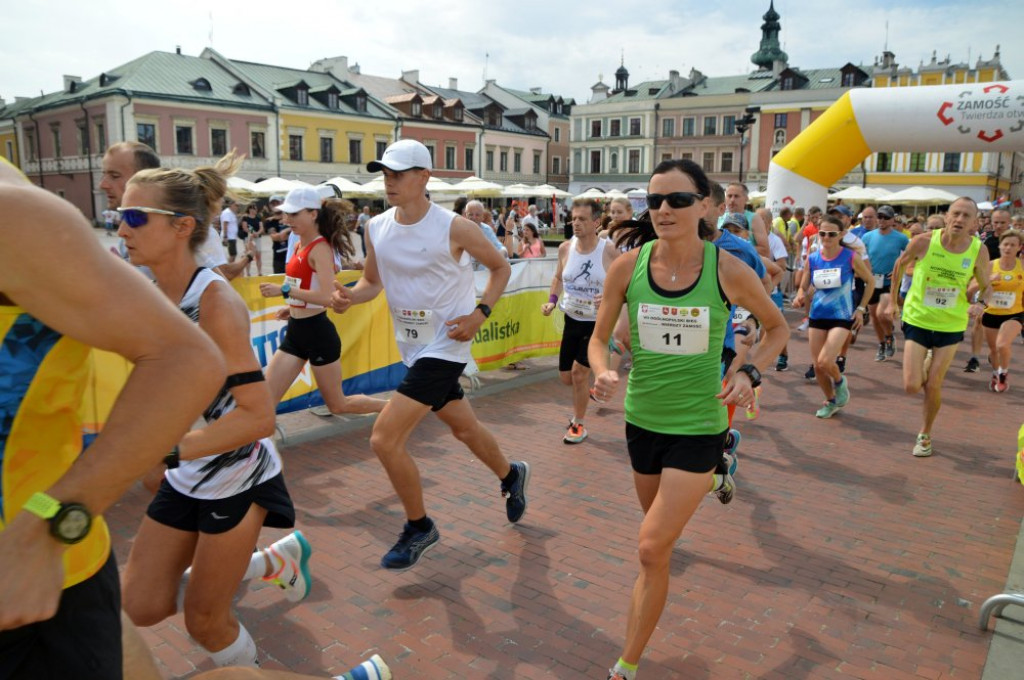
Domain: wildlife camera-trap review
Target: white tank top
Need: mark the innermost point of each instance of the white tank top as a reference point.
(582, 279)
(225, 474)
(425, 287)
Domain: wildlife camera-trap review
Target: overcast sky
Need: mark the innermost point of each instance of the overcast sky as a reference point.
(559, 45)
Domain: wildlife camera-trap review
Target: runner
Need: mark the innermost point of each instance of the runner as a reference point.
(884, 245)
(936, 311)
(582, 264)
(419, 254)
(676, 419)
(831, 271)
(1004, 315)
(308, 283)
(1000, 223)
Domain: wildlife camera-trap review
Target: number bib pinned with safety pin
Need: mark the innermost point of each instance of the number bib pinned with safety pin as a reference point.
(579, 307)
(940, 298)
(825, 279)
(1003, 299)
(413, 326)
(673, 330)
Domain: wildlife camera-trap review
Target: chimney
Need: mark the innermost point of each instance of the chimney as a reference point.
(335, 65)
(675, 81)
(536, 90)
(412, 77)
(354, 68)
(177, 49)
(778, 66)
(453, 83)
(71, 82)
(489, 82)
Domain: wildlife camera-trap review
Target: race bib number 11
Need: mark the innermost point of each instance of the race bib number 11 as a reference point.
(674, 330)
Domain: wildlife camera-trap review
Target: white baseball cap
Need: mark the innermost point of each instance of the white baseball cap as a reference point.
(403, 155)
(300, 198)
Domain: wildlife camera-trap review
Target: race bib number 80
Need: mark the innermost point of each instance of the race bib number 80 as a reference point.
(674, 330)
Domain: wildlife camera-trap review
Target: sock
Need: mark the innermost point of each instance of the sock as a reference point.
(626, 669)
(258, 566)
(179, 601)
(423, 524)
(510, 479)
(241, 652)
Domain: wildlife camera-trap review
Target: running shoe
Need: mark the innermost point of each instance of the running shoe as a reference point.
(1003, 383)
(291, 553)
(373, 668)
(803, 325)
(782, 363)
(753, 410)
(890, 347)
(613, 675)
(827, 410)
(843, 393)
(841, 363)
(410, 547)
(515, 493)
(732, 442)
(972, 365)
(809, 375)
(880, 355)
(730, 461)
(994, 382)
(727, 490)
(575, 434)
(923, 447)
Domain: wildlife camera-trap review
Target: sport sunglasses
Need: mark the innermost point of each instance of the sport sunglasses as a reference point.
(676, 199)
(137, 216)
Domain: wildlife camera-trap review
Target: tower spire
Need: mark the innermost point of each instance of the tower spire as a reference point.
(770, 51)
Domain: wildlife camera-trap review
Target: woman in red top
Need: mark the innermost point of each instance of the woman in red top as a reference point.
(308, 284)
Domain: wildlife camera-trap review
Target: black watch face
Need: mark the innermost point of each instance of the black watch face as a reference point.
(72, 523)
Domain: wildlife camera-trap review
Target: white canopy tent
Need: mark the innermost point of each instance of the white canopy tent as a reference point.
(593, 192)
(278, 185)
(862, 195)
(921, 196)
(474, 187)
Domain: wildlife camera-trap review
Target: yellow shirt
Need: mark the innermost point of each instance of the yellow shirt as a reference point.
(1008, 287)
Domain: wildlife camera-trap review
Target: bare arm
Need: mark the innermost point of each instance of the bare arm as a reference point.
(760, 232)
(466, 236)
(556, 280)
(366, 288)
(863, 271)
(616, 281)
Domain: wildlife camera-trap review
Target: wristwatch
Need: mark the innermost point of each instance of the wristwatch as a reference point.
(285, 289)
(752, 373)
(173, 459)
(485, 310)
(69, 522)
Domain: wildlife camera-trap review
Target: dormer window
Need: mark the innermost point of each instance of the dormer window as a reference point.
(438, 110)
(202, 84)
(302, 97)
(457, 114)
(417, 109)
(242, 90)
(787, 83)
(849, 80)
(361, 102)
(332, 100)
(558, 108)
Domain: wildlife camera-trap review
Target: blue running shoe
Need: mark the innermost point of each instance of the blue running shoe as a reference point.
(515, 495)
(410, 547)
(373, 668)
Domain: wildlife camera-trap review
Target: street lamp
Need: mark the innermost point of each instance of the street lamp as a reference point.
(742, 125)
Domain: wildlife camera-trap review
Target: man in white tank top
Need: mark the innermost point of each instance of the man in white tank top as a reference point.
(420, 254)
(582, 263)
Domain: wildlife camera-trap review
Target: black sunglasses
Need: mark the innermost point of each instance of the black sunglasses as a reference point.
(136, 217)
(829, 233)
(676, 199)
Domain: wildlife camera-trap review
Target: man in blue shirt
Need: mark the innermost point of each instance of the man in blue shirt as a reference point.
(884, 246)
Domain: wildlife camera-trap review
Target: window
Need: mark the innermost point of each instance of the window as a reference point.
(536, 162)
(489, 161)
(517, 161)
(381, 146)
(595, 128)
(146, 134)
(556, 166)
(361, 102)
(9, 145)
(883, 162)
(577, 162)
(668, 127)
(449, 157)
(218, 142)
(917, 162)
(781, 119)
(689, 127)
(595, 162)
(787, 83)
(183, 140)
(355, 151)
(469, 158)
(101, 137)
(256, 144)
(295, 147)
(951, 162)
(30, 142)
(457, 114)
(438, 110)
(710, 123)
(616, 128)
(417, 109)
(432, 151)
(326, 150)
(687, 156)
(302, 97)
(503, 161)
(634, 127)
(83, 139)
(780, 137)
(666, 156)
(634, 161)
(613, 162)
(558, 135)
(709, 161)
(58, 151)
(727, 161)
(848, 80)
(728, 125)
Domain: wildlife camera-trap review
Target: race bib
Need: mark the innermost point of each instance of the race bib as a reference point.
(739, 315)
(579, 307)
(413, 326)
(674, 330)
(940, 298)
(1003, 299)
(827, 278)
(295, 283)
(879, 281)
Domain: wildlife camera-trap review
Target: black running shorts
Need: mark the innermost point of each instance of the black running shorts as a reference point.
(433, 382)
(575, 341)
(178, 511)
(651, 452)
(313, 339)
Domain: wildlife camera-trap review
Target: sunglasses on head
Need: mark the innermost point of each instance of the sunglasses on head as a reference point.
(676, 199)
(829, 233)
(136, 217)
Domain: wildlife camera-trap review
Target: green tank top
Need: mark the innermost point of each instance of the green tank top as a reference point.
(937, 299)
(677, 351)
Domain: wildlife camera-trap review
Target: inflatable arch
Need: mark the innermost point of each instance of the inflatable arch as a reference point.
(965, 117)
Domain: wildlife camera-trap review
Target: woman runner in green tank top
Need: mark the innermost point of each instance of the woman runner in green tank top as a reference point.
(677, 288)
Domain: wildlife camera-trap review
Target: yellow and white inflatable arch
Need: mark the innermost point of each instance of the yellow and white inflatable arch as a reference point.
(966, 117)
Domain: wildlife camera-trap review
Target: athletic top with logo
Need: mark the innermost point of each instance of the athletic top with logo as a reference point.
(225, 474)
(1008, 290)
(582, 279)
(884, 249)
(677, 350)
(299, 274)
(833, 285)
(937, 299)
(45, 375)
(424, 285)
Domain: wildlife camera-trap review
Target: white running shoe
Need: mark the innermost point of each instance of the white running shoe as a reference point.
(291, 553)
(373, 668)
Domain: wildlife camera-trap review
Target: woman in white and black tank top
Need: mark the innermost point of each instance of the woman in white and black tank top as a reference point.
(223, 481)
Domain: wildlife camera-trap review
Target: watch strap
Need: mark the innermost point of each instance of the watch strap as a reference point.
(42, 505)
(173, 459)
(485, 310)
